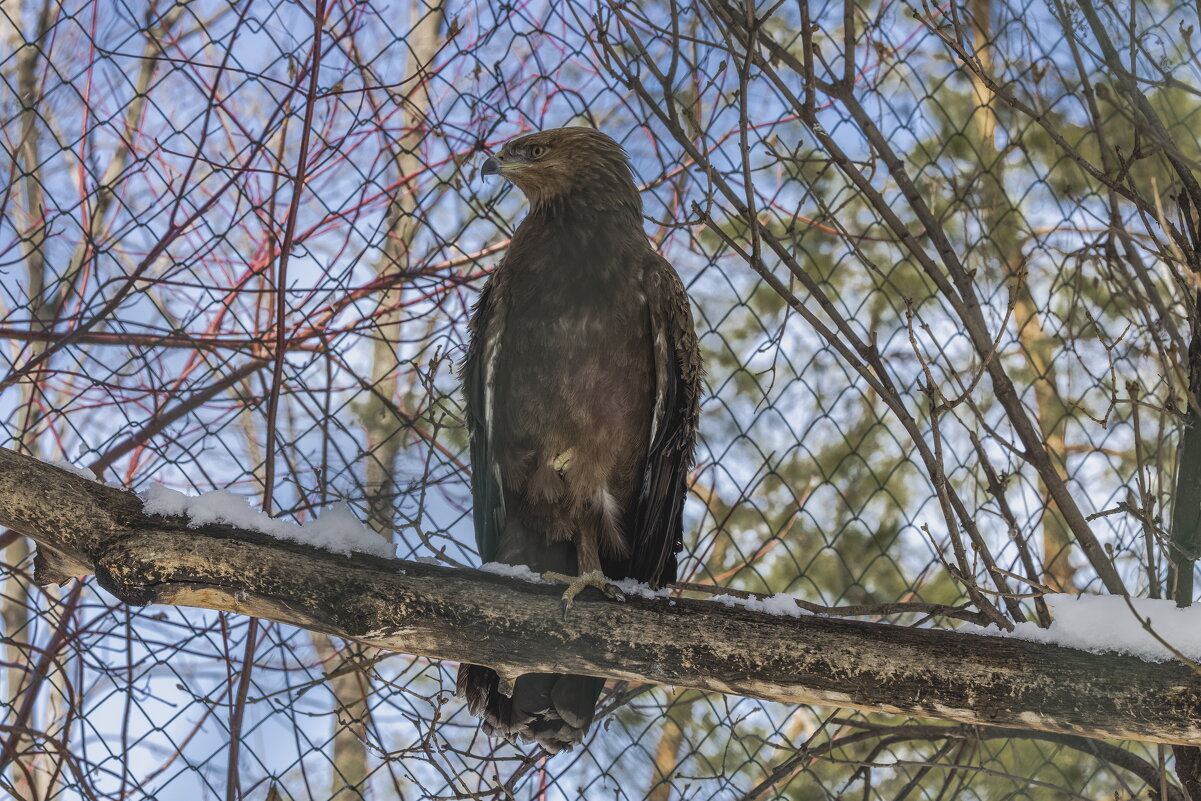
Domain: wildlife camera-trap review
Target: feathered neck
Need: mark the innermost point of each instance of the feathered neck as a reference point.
(589, 207)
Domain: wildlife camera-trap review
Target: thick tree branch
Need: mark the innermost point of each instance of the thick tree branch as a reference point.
(515, 627)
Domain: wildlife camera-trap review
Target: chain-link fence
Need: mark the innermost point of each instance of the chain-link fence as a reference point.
(942, 266)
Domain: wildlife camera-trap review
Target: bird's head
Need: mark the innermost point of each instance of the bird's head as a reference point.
(568, 167)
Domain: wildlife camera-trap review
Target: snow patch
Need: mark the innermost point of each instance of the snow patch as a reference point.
(639, 590)
(336, 530)
(1100, 623)
(520, 572)
(82, 472)
(780, 604)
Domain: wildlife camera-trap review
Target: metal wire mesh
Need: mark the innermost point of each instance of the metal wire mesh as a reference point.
(239, 243)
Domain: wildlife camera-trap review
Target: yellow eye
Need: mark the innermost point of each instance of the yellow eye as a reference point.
(537, 151)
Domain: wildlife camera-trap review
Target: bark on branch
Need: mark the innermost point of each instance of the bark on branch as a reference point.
(471, 616)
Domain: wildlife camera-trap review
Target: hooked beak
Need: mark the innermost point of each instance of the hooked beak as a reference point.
(491, 167)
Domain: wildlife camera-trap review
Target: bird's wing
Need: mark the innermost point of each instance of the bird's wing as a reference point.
(658, 520)
(488, 505)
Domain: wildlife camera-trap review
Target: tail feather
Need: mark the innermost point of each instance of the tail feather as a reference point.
(551, 709)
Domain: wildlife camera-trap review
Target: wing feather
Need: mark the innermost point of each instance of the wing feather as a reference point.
(488, 505)
(658, 533)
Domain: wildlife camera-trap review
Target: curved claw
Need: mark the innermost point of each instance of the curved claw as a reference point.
(613, 592)
(577, 584)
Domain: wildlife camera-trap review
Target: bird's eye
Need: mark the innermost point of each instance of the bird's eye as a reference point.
(537, 151)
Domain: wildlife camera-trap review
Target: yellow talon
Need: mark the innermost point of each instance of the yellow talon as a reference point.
(577, 584)
(561, 462)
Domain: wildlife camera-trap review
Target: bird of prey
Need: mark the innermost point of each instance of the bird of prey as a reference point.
(582, 382)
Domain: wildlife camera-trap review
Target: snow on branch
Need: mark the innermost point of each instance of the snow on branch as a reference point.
(337, 530)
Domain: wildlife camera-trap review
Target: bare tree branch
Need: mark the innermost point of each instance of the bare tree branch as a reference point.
(515, 627)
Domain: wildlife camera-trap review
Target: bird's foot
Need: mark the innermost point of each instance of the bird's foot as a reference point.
(562, 461)
(577, 584)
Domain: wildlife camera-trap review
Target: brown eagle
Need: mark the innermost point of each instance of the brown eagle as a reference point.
(582, 382)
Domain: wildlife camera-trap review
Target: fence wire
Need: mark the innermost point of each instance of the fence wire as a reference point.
(239, 242)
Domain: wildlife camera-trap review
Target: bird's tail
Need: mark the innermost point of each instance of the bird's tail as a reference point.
(551, 709)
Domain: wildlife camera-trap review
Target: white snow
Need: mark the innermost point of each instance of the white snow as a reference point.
(82, 472)
(637, 589)
(336, 529)
(780, 604)
(512, 571)
(1099, 623)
